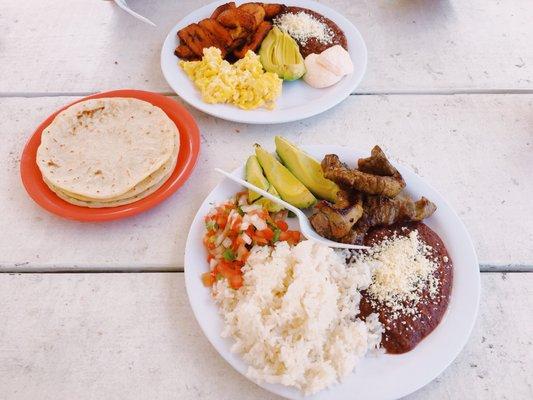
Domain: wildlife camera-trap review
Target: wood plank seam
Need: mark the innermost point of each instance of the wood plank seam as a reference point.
(74, 270)
(450, 92)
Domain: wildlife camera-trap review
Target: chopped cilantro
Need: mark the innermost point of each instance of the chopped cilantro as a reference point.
(277, 232)
(211, 225)
(272, 225)
(229, 255)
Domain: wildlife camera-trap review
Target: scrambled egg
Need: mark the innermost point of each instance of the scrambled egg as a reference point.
(243, 83)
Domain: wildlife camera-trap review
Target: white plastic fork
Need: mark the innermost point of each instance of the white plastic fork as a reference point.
(305, 226)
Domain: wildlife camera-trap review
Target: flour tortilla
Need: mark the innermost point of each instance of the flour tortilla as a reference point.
(115, 203)
(101, 149)
(151, 180)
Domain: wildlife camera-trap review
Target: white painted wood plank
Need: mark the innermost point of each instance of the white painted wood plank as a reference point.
(475, 149)
(118, 336)
(414, 45)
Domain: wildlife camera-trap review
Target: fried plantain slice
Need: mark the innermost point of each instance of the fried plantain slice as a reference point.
(218, 32)
(184, 52)
(255, 40)
(215, 39)
(272, 10)
(220, 9)
(195, 38)
(238, 43)
(256, 9)
(239, 21)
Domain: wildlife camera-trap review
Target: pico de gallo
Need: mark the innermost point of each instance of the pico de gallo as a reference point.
(232, 229)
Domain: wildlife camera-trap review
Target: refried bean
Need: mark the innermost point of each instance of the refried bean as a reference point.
(313, 45)
(406, 331)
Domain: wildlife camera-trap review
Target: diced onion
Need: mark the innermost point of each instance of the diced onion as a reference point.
(258, 222)
(227, 243)
(251, 207)
(246, 239)
(245, 224)
(243, 200)
(219, 240)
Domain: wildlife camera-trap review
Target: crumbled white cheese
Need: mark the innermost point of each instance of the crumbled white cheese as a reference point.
(302, 26)
(402, 268)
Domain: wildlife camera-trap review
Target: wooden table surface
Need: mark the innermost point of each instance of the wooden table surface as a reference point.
(448, 92)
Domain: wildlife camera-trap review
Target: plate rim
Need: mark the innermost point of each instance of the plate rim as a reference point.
(189, 146)
(243, 116)
(467, 328)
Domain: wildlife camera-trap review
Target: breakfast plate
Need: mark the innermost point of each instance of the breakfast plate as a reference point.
(42, 194)
(377, 376)
(297, 101)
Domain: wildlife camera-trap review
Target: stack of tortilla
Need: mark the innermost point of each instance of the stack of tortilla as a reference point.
(108, 152)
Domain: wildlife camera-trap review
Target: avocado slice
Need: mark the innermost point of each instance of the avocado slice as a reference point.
(288, 186)
(266, 203)
(306, 169)
(279, 53)
(254, 175)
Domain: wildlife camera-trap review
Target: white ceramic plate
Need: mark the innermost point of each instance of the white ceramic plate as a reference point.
(376, 377)
(298, 100)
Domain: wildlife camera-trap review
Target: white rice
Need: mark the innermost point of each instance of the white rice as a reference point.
(294, 320)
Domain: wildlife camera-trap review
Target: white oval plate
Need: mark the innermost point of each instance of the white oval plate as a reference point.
(376, 377)
(297, 101)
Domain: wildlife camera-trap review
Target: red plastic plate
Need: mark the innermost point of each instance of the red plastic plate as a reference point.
(188, 154)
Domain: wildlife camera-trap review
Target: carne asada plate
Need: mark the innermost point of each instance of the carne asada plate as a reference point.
(377, 376)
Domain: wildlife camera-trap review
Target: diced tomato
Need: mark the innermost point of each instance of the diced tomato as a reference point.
(292, 237)
(296, 236)
(284, 236)
(242, 253)
(263, 214)
(237, 265)
(235, 281)
(236, 224)
(224, 268)
(208, 279)
(221, 221)
(228, 259)
(237, 243)
(267, 234)
(282, 225)
(259, 240)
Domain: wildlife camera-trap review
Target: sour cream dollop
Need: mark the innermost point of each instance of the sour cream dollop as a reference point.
(327, 68)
